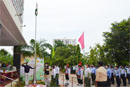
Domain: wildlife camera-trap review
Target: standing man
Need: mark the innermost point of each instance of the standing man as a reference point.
(77, 68)
(108, 76)
(112, 74)
(123, 76)
(118, 76)
(80, 75)
(128, 74)
(93, 73)
(53, 76)
(73, 69)
(47, 75)
(67, 74)
(101, 76)
(57, 74)
(87, 76)
(26, 71)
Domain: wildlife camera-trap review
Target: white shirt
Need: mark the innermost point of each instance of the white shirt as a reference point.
(57, 70)
(87, 71)
(77, 69)
(68, 71)
(53, 72)
(81, 73)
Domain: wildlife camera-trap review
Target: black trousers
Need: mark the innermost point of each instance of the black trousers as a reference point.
(67, 77)
(57, 79)
(73, 71)
(123, 79)
(118, 81)
(80, 81)
(128, 76)
(102, 84)
(108, 81)
(112, 78)
(77, 78)
(93, 78)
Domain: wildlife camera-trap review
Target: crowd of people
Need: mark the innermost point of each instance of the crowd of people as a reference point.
(101, 76)
(7, 66)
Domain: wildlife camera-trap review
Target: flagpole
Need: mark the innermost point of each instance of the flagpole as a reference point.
(84, 64)
(35, 48)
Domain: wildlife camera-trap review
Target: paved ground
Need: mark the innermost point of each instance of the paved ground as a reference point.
(75, 81)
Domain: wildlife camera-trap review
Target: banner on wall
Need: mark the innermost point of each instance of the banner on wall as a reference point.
(39, 68)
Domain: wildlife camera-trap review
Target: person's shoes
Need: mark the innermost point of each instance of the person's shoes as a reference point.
(67, 83)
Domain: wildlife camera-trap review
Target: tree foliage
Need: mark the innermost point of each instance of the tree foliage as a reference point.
(3, 51)
(66, 54)
(6, 58)
(117, 41)
(29, 50)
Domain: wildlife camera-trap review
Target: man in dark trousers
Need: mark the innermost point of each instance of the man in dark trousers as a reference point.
(26, 71)
(101, 76)
(112, 74)
(118, 76)
(93, 73)
(123, 75)
(108, 76)
(128, 74)
(57, 74)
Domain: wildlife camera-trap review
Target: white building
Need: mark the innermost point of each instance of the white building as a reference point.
(66, 41)
(11, 22)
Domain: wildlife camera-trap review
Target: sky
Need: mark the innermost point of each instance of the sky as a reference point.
(70, 18)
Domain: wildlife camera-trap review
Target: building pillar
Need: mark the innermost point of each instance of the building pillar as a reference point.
(17, 59)
(0, 35)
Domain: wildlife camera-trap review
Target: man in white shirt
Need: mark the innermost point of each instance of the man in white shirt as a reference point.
(53, 77)
(77, 73)
(57, 75)
(87, 75)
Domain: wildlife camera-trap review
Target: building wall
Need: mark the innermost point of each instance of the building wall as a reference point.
(13, 12)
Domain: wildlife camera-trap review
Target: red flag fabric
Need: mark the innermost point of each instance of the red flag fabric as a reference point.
(81, 41)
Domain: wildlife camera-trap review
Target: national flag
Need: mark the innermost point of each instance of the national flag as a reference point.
(36, 10)
(81, 41)
(53, 52)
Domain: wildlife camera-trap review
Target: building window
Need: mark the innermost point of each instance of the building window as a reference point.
(19, 5)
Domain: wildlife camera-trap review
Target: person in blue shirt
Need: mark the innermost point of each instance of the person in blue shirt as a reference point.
(128, 74)
(93, 71)
(123, 75)
(118, 76)
(108, 75)
(112, 74)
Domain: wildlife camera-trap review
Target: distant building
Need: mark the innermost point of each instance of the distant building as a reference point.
(66, 41)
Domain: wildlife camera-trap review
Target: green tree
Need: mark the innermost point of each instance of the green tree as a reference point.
(117, 41)
(59, 43)
(29, 50)
(6, 58)
(97, 53)
(3, 51)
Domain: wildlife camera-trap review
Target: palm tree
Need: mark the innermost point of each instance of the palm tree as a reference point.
(29, 50)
